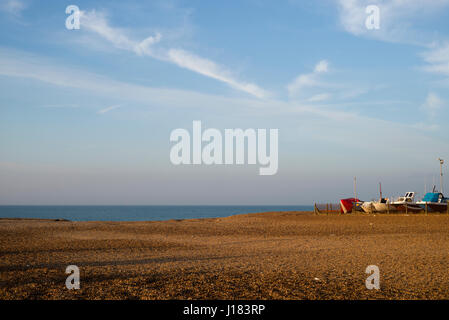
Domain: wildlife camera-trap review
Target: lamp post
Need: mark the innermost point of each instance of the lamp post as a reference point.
(441, 174)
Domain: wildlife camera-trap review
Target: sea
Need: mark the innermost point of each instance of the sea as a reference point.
(136, 213)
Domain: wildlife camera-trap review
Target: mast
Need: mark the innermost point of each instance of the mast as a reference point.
(441, 174)
(380, 191)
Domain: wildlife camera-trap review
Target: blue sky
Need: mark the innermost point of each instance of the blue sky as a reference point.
(86, 115)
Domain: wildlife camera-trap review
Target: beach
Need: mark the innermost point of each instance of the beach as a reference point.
(274, 255)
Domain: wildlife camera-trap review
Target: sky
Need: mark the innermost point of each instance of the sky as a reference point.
(86, 114)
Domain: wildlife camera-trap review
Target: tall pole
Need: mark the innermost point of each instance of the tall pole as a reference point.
(354, 204)
(380, 190)
(441, 174)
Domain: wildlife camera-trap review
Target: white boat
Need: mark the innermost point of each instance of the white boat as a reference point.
(383, 205)
(368, 207)
(406, 203)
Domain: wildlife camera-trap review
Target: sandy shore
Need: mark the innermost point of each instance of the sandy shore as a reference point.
(293, 255)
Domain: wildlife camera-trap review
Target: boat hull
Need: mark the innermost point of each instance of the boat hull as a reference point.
(383, 207)
(434, 207)
(347, 205)
(368, 207)
(407, 207)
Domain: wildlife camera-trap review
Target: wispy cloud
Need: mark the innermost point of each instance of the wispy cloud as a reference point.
(308, 80)
(433, 104)
(429, 127)
(98, 24)
(14, 7)
(313, 86)
(21, 65)
(437, 59)
(18, 64)
(61, 106)
(396, 18)
(398, 24)
(105, 110)
(210, 69)
(319, 97)
(322, 66)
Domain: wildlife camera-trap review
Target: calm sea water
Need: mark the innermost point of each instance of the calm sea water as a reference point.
(135, 213)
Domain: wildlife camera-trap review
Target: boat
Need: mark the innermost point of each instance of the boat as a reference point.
(435, 202)
(381, 205)
(406, 203)
(384, 205)
(368, 207)
(358, 206)
(347, 205)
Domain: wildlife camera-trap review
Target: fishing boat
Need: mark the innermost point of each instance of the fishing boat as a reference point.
(347, 205)
(383, 205)
(368, 207)
(406, 203)
(358, 206)
(435, 202)
(351, 204)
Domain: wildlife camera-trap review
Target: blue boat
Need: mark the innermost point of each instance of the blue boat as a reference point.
(435, 201)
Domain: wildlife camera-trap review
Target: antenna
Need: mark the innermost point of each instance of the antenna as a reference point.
(441, 174)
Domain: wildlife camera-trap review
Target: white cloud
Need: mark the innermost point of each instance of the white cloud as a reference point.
(61, 106)
(319, 97)
(322, 66)
(433, 104)
(210, 69)
(438, 60)
(14, 7)
(306, 117)
(397, 18)
(429, 127)
(144, 47)
(438, 54)
(15, 63)
(308, 86)
(307, 80)
(97, 23)
(103, 111)
(397, 24)
(18, 64)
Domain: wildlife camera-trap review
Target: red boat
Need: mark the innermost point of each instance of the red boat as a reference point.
(346, 205)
